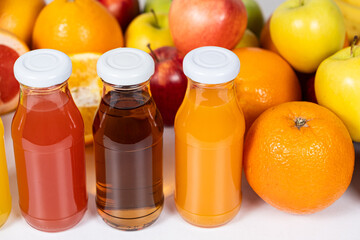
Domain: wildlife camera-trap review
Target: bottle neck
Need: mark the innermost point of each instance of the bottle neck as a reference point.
(50, 97)
(210, 94)
(125, 97)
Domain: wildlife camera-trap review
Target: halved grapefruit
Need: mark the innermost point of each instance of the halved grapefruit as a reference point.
(10, 49)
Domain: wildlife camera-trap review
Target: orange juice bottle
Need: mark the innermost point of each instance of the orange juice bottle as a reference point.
(5, 198)
(209, 131)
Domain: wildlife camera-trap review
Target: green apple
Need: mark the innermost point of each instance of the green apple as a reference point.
(249, 39)
(255, 16)
(159, 6)
(337, 87)
(148, 28)
(306, 32)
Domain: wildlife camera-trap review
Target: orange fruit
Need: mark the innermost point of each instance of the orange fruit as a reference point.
(299, 157)
(18, 16)
(265, 38)
(11, 48)
(265, 80)
(77, 26)
(86, 88)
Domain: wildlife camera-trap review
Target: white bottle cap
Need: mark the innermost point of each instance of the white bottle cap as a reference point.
(125, 66)
(211, 65)
(42, 68)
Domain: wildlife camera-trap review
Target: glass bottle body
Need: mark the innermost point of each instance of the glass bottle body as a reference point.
(48, 137)
(209, 131)
(5, 199)
(128, 142)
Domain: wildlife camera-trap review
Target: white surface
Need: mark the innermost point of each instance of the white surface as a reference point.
(211, 65)
(256, 219)
(125, 66)
(42, 68)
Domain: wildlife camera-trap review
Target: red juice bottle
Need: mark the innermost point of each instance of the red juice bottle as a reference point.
(48, 137)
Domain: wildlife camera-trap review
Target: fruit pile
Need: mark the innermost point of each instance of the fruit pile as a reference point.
(298, 156)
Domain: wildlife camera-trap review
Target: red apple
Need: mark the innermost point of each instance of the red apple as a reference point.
(307, 86)
(168, 84)
(310, 90)
(123, 10)
(197, 23)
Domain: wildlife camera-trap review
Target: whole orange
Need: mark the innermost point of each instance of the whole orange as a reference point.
(18, 17)
(299, 157)
(76, 26)
(265, 38)
(265, 80)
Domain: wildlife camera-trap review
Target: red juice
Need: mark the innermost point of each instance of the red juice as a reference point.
(48, 136)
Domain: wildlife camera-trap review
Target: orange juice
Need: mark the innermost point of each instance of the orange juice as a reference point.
(5, 198)
(209, 131)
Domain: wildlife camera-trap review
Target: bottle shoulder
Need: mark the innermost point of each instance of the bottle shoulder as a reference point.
(48, 126)
(140, 127)
(210, 123)
(225, 113)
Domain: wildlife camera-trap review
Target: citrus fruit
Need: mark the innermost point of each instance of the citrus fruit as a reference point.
(299, 157)
(76, 27)
(265, 38)
(265, 80)
(18, 16)
(86, 88)
(11, 48)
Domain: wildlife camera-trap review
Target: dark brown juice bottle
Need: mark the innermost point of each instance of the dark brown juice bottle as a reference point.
(128, 144)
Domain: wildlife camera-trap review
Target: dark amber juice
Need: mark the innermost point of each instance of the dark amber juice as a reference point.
(128, 142)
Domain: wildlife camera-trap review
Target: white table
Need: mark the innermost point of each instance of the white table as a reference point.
(256, 219)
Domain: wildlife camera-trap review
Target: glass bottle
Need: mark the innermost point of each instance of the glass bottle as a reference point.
(128, 141)
(48, 137)
(5, 198)
(209, 131)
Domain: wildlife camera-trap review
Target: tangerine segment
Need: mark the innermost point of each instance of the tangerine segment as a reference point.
(86, 88)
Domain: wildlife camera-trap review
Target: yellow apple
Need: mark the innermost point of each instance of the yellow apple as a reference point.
(351, 11)
(306, 32)
(249, 39)
(148, 28)
(337, 87)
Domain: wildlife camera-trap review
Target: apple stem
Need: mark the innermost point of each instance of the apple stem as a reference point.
(354, 42)
(153, 53)
(156, 19)
(301, 2)
(300, 122)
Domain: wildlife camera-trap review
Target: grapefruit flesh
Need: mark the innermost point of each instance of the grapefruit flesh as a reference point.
(11, 48)
(9, 86)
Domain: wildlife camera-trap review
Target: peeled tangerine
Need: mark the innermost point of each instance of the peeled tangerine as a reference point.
(299, 157)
